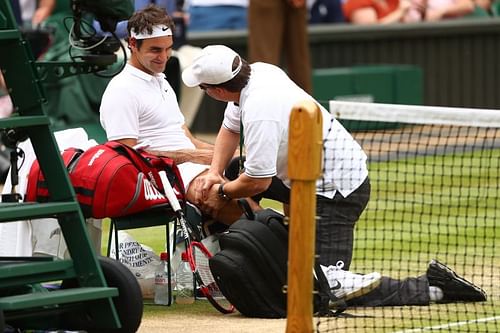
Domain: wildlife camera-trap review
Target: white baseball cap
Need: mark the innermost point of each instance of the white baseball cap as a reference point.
(213, 66)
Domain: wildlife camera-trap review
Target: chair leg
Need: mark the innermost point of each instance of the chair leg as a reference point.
(110, 233)
(117, 247)
(113, 230)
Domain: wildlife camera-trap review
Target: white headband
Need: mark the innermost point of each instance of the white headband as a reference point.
(158, 31)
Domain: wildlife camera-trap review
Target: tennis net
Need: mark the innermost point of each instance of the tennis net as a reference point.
(435, 196)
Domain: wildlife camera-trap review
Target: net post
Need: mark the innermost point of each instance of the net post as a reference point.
(304, 168)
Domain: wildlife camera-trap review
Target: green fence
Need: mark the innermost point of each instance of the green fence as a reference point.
(397, 84)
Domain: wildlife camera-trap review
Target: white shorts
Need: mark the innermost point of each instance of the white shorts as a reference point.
(190, 171)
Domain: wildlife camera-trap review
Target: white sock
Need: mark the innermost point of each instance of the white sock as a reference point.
(435, 294)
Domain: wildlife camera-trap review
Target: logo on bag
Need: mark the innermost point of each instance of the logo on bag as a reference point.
(151, 192)
(96, 156)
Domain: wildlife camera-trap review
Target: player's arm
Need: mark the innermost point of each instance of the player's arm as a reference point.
(128, 142)
(201, 156)
(226, 145)
(246, 186)
(263, 144)
(221, 194)
(224, 149)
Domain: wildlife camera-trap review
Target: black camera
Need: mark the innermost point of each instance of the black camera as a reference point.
(98, 50)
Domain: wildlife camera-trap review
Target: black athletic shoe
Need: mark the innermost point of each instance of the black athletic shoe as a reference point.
(454, 287)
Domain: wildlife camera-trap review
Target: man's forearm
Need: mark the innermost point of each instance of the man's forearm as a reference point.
(201, 156)
(245, 186)
(225, 146)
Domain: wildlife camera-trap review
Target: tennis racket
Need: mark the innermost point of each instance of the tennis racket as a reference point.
(198, 255)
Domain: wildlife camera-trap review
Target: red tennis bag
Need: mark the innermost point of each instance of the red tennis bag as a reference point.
(112, 180)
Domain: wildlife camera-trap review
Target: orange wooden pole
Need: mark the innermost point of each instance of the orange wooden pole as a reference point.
(304, 168)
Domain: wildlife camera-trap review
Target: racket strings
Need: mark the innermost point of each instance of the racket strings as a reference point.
(205, 274)
(202, 265)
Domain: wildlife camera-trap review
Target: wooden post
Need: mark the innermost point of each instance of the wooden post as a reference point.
(304, 167)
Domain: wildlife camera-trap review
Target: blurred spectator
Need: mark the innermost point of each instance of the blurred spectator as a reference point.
(5, 101)
(6, 108)
(279, 27)
(217, 14)
(443, 9)
(5, 111)
(382, 11)
(495, 8)
(325, 11)
(30, 13)
(416, 12)
(482, 8)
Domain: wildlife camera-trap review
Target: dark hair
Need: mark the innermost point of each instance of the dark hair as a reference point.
(238, 82)
(145, 19)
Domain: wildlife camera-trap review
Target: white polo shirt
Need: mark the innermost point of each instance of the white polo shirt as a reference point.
(144, 107)
(265, 106)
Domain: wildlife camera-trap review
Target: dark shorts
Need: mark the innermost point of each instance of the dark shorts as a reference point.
(336, 220)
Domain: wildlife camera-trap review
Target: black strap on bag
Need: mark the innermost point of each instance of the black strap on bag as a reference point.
(242, 143)
(245, 207)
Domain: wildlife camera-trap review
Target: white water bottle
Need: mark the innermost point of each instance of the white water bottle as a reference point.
(184, 282)
(162, 295)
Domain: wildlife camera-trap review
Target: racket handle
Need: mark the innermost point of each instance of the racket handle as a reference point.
(169, 192)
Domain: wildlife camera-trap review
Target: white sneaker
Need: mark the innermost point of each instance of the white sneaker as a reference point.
(347, 285)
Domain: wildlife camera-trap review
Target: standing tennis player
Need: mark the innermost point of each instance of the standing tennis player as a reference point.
(260, 99)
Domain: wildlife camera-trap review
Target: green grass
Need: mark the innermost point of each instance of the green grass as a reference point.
(445, 205)
(154, 237)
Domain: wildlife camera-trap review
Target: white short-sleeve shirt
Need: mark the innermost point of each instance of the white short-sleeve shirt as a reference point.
(264, 109)
(136, 105)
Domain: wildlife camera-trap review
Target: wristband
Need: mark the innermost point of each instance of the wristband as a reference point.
(222, 194)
